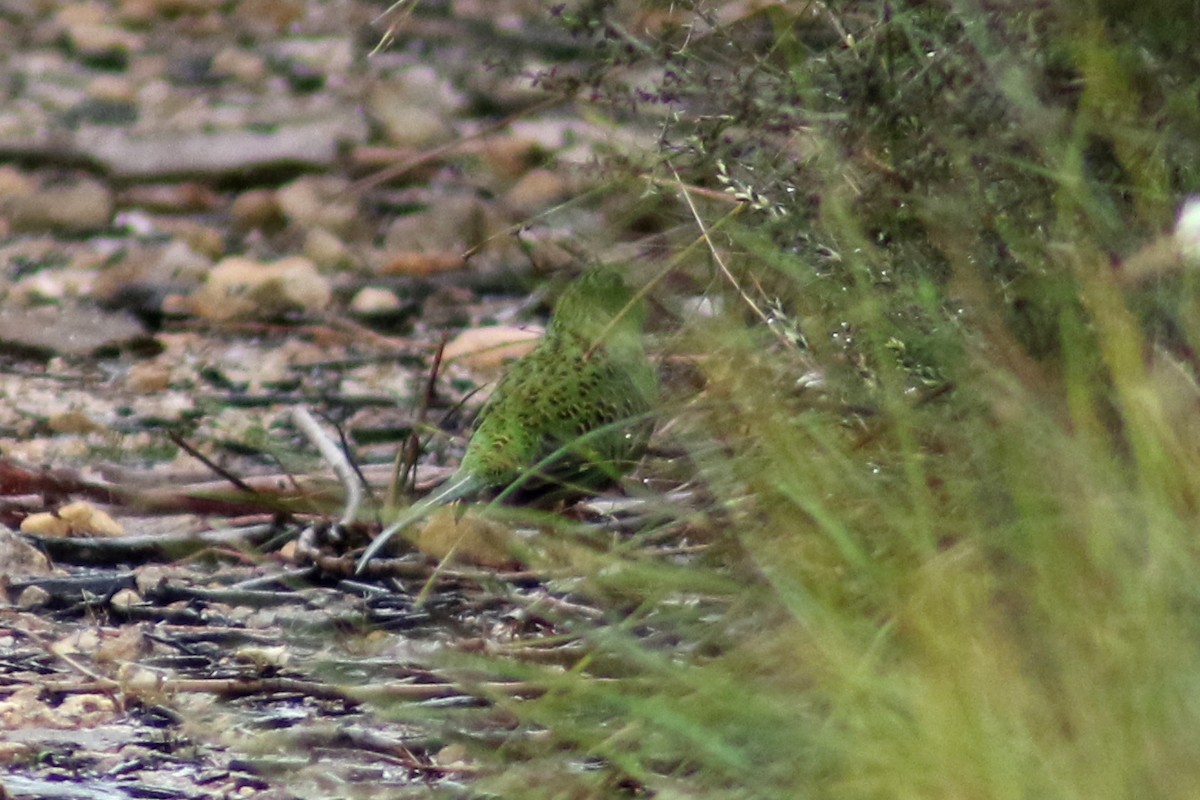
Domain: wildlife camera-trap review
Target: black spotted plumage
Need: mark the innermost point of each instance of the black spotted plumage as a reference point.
(572, 415)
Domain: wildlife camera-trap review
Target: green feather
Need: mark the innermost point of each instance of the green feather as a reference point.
(571, 416)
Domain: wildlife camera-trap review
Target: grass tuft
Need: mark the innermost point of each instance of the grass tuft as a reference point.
(948, 440)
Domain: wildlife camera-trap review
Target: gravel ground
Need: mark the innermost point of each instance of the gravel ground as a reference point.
(211, 214)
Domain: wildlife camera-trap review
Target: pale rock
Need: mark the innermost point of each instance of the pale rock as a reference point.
(67, 329)
(148, 378)
(509, 157)
(256, 209)
(73, 421)
(126, 599)
(136, 680)
(320, 201)
(178, 261)
(374, 300)
(207, 241)
(85, 519)
(171, 198)
(414, 107)
(243, 66)
(87, 13)
(491, 347)
(326, 55)
(32, 597)
(454, 222)
(326, 249)
(536, 191)
(241, 288)
(267, 17)
(1187, 232)
(19, 557)
(404, 123)
(14, 183)
(83, 205)
(264, 657)
(44, 523)
(113, 88)
(101, 40)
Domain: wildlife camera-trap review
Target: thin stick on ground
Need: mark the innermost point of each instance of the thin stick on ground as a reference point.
(336, 458)
(405, 469)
